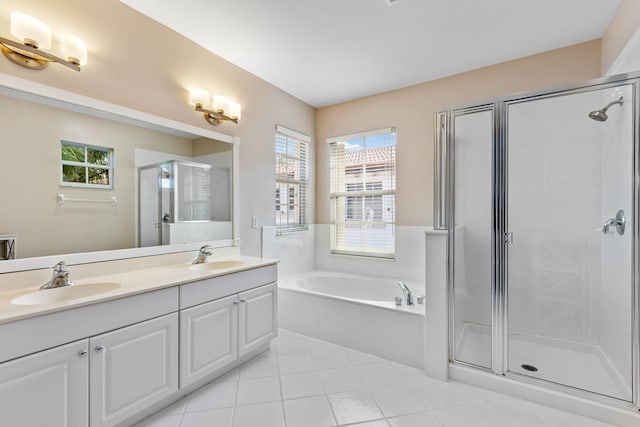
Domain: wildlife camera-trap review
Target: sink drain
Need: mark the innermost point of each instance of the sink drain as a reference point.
(529, 368)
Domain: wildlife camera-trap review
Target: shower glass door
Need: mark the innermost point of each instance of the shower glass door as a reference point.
(471, 246)
(569, 260)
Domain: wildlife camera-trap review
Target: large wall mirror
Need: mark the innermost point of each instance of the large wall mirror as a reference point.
(75, 179)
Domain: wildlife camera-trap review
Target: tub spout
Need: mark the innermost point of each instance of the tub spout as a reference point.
(408, 296)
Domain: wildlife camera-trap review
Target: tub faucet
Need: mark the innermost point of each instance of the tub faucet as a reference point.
(202, 255)
(408, 296)
(60, 277)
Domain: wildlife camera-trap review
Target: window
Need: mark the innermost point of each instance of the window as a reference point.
(86, 165)
(363, 192)
(291, 180)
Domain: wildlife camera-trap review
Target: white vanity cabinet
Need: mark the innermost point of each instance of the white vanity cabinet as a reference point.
(128, 356)
(132, 368)
(258, 318)
(48, 388)
(217, 326)
(208, 338)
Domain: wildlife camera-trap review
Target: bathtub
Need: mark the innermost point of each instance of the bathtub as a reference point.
(355, 311)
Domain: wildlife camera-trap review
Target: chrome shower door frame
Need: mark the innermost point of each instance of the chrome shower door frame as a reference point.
(444, 218)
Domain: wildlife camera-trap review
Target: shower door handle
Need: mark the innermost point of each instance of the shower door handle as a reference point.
(619, 222)
(508, 238)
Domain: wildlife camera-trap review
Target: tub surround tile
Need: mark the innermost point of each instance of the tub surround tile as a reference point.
(369, 392)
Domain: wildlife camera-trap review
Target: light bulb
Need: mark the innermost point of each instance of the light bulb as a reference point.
(235, 110)
(74, 49)
(220, 104)
(199, 96)
(30, 30)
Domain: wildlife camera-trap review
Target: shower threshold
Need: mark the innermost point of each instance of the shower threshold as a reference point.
(565, 362)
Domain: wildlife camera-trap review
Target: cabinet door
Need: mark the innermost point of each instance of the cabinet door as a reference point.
(258, 319)
(48, 388)
(132, 368)
(208, 338)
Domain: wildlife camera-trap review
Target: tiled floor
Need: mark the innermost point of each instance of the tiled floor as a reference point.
(303, 382)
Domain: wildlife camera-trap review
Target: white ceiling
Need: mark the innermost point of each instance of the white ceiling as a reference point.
(329, 51)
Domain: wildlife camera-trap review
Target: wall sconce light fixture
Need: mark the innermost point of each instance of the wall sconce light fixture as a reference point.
(220, 110)
(36, 37)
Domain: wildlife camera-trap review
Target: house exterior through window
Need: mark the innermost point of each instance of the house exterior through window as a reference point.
(363, 187)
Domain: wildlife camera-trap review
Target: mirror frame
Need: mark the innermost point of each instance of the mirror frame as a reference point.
(51, 96)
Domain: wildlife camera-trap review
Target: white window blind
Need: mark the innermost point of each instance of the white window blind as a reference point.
(291, 180)
(363, 192)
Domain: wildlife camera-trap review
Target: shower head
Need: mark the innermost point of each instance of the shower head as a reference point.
(601, 115)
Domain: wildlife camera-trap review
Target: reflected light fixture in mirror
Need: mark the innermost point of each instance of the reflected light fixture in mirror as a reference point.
(220, 110)
(36, 38)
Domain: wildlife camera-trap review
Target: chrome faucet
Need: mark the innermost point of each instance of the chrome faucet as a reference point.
(60, 277)
(202, 255)
(408, 296)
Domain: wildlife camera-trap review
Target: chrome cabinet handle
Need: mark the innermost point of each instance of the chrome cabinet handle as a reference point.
(236, 302)
(82, 352)
(243, 300)
(99, 348)
(620, 221)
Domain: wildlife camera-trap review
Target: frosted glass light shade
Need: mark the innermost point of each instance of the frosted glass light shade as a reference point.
(199, 96)
(235, 110)
(220, 103)
(27, 27)
(73, 47)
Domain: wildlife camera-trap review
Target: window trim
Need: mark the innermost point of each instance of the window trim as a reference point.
(303, 184)
(364, 193)
(109, 168)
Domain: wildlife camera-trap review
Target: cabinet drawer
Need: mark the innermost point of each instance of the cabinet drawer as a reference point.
(39, 333)
(229, 284)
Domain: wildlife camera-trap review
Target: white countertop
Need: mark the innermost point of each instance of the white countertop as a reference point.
(132, 283)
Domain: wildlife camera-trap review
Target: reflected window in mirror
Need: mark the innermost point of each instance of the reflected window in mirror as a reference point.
(86, 165)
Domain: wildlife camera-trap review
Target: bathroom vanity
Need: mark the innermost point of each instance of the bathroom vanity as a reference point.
(114, 357)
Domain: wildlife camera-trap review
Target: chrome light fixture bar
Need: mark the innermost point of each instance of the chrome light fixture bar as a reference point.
(37, 36)
(221, 110)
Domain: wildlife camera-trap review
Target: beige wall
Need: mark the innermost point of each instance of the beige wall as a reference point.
(411, 110)
(621, 28)
(138, 63)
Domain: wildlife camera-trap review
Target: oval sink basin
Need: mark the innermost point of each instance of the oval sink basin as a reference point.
(48, 296)
(216, 265)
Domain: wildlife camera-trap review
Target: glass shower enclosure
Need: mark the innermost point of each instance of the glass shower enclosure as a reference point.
(183, 201)
(539, 194)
